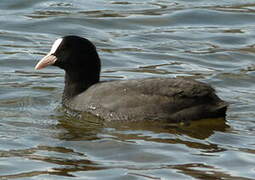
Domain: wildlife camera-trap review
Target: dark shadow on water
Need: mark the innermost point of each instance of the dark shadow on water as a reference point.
(201, 129)
(85, 126)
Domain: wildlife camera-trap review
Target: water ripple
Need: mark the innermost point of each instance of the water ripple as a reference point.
(212, 41)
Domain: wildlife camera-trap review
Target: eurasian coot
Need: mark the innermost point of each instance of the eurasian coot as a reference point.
(169, 99)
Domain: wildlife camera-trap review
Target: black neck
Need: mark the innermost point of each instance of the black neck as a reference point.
(77, 82)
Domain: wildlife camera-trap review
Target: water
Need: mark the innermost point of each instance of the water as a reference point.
(212, 41)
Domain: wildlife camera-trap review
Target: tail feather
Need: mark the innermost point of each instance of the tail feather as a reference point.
(220, 109)
(200, 112)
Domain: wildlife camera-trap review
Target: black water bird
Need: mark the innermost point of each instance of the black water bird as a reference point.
(169, 99)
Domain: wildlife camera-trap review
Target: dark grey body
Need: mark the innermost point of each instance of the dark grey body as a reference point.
(170, 99)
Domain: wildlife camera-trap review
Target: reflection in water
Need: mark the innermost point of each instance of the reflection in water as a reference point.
(201, 129)
(82, 127)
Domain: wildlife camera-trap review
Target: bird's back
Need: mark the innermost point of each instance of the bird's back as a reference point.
(170, 99)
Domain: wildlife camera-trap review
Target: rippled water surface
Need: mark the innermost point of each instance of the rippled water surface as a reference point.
(212, 41)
